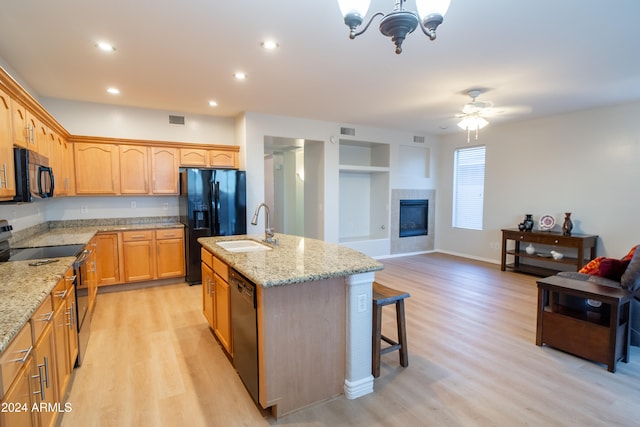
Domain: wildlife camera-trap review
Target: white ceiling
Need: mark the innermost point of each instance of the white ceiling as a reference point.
(545, 56)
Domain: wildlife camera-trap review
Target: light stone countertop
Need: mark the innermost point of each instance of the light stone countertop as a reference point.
(22, 290)
(294, 260)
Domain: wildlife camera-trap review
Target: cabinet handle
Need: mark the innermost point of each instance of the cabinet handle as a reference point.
(555, 241)
(23, 359)
(4, 172)
(46, 317)
(63, 294)
(41, 391)
(46, 371)
(138, 236)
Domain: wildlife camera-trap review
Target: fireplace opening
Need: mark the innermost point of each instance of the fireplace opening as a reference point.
(414, 217)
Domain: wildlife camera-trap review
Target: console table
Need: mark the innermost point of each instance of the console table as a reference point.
(601, 336)
(583, 244)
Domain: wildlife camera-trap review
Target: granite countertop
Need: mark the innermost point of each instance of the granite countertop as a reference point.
(81, 235)
(294, 260)
(22, 290)
(23, 287)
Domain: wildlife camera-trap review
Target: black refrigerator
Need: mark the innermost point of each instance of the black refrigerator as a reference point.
(213, 202)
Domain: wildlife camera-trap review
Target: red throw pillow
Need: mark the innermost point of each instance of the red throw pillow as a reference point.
(611, 268)
(592, 266)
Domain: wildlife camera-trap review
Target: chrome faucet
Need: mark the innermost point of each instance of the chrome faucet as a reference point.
(268, 232)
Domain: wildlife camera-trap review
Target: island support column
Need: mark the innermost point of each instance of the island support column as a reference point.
(358, 381)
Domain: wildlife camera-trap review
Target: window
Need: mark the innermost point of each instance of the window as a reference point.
(468, 187)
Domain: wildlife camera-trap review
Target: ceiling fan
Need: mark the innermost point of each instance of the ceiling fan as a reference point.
(475, 113)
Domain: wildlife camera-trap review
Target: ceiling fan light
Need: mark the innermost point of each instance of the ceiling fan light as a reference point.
(472, 123)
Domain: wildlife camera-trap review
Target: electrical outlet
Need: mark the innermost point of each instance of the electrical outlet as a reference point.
(133, 204)
(84, 209)
(165, 206)
(362, 303)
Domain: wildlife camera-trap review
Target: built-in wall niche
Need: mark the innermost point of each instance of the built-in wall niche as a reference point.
(364, 191)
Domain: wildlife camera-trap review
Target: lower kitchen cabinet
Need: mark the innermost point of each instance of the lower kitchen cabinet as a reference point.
(18, 399)
(169, 253)
(108, 258)
(216, 302)
(46, 385)
(138, 255)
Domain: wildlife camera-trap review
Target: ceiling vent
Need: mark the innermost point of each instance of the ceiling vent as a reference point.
(348, 131)
(176, 120)
(418, 139)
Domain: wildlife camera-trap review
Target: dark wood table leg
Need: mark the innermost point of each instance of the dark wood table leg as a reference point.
(376, 338)
(402, 334)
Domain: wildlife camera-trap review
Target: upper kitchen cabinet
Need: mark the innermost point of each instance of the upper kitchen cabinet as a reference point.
(134, 169)
(223, 156)
(165, 172)
(22, 134)
(97, 168)
(7, 176)
(61, 158)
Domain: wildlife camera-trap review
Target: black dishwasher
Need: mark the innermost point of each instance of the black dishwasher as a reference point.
(245, 331)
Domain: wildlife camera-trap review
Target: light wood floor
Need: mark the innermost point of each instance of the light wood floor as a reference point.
(152, 361)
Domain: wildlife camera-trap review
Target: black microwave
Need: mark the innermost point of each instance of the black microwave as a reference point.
(34, 176)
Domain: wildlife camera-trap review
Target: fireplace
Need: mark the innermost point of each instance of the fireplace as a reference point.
(414, 217)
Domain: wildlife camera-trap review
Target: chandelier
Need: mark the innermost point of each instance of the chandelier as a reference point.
(398, 23)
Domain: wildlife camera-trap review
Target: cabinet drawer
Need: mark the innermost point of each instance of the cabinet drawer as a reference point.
(41, 318)
(14, 356)
(221, 269)
(169, 233)
(130, 236)
(206, 257)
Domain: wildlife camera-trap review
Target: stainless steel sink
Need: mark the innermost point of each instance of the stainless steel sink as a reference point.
(243, 246)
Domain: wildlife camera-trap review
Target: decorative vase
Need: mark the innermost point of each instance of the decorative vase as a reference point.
(567, 226)
(528, 222)
(530, 249)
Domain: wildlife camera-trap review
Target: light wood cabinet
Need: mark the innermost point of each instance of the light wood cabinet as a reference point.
(216, 299)
(165, 172)
(22, 134)
(41, 138)
(72, 323)
(19, 396)
(61, 335)
(223, 159)
(169, 253)
(108, 258)
(61, 159)
(138, 255)
(7, 172)
(134, 169)
(46, 383)
(208, 288)
(194, 157)
(97, 169)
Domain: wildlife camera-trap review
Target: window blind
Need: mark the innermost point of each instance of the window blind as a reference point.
(468, 187)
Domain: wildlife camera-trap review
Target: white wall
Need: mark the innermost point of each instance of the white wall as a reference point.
(586, 163)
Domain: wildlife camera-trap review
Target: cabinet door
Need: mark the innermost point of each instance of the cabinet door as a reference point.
(21, 132)
(138, 261)
(41, 143)
(96, 167)
(7, 174)
(61, 337)
(68, 163)
(164, 170)
(223, 159)
(20, 394)
(134, 169)
(193, 157)
(223, 312)
(170, 258)
(46, 390)
(108, 259)
(208, 295)
(72, 324)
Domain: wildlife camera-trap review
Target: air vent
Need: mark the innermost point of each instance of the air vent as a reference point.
(348, 131)
(176, 120)
(418, 139)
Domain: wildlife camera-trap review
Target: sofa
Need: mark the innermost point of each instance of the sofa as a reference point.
(621, 273)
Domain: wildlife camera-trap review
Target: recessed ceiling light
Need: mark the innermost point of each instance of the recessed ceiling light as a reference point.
(269, 44)
(240, 76)
(213, 103)
(113, 91)
(105, 47)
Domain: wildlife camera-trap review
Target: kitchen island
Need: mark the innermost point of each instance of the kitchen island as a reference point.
(313, 318)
